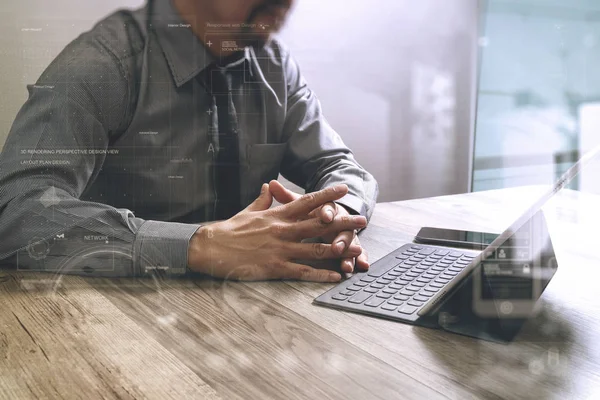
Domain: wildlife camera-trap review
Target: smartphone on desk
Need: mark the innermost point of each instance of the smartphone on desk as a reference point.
(455, 238)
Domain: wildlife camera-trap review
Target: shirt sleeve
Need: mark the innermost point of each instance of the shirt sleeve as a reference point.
(316, 157)
(55, 149)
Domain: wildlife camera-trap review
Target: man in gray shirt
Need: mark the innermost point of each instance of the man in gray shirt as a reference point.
(163, 118)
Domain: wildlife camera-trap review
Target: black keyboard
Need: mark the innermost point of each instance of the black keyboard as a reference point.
(401, 283)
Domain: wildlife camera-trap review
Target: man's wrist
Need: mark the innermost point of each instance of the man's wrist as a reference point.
(197, 250)
(346, 208)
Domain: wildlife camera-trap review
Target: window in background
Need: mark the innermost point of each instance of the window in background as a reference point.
(539, 90)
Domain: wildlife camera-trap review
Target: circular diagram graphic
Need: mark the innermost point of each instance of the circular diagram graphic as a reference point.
(38, 248)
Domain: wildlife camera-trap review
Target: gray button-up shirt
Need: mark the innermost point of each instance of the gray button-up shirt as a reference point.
(105, 170)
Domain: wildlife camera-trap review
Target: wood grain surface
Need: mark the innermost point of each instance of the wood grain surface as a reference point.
(73, 337)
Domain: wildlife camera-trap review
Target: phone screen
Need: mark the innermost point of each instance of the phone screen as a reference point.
(457, 237)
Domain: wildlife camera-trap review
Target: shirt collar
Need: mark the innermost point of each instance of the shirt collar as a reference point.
(185, 53)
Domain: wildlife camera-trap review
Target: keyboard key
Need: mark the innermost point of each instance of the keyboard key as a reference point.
(449, 274)
(403, 281)
(426, 251)
(437, 269)
(419, 284)
(428, 275)
(402, 256)
(420, 298)
(419, 257)
(463, 262)
(339, 297)
(361, 283)
(367, 279)
(427, 263)
(415, 303)
(407, 292)
(406, 309)
(411, 263)
(388, 307)
(394, 302)
(377, 285)
(359, 297)
(441, 252)
(412, 274)
(390, 291)
(412, 288)
(415, 247)
(437, 285)
(431, 289)
(456, 254)
(384, 295)
(396, 286)
(444, 264)
(395, 274)
(454, 269)
(423, 279)
(443, 281)
(354, 288)
(407, 278)
(384, 281)
(426, 294)
(419, 270)
(401, 297)
(377, 273)
(389, 277)
(400, 269)
(374, 302)
(347, 293)
(370, 290)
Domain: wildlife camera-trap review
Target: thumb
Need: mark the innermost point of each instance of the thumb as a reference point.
(263, 201)
(281, 194)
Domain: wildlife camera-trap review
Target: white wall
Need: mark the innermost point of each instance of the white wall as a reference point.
(394, 77)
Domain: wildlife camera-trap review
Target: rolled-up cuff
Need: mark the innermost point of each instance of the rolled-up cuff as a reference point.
(162, 247)
(354, 203)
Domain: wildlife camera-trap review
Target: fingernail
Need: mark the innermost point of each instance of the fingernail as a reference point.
(359, 220)
(329, 214)
(340, 246)
(263, 188)
(350, 266)
(334, 276)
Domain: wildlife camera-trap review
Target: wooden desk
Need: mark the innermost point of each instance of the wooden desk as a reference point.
(72, 337)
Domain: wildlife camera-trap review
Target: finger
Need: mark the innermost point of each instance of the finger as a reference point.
(362, 261)
(308, 202)
(318, 251)
(343, 240)
(263, 201)
(327, 212)
(281, 193)
(315, 227)
(305, 273)
(347, 265)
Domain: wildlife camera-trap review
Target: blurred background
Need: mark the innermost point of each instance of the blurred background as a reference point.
(399, 80)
